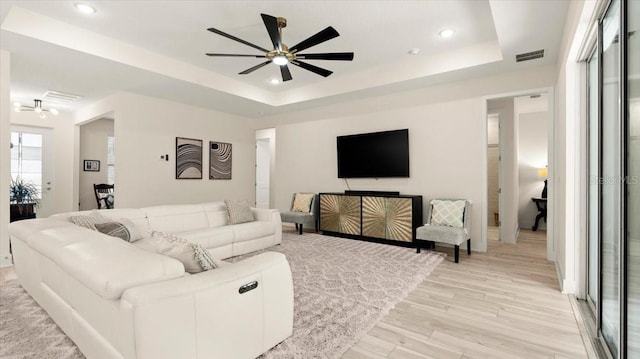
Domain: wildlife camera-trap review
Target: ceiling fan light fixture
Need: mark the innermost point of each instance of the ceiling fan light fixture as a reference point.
(37, 107)
(84, 8)
(446, 33)
(280, 60)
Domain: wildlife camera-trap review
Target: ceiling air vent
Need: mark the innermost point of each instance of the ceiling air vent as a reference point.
(530, 55)
(60, 97)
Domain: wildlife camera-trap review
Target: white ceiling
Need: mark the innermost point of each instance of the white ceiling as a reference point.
(157, 48)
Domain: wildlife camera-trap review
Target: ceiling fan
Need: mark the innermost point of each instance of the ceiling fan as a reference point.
(36, 108)
(282, 55)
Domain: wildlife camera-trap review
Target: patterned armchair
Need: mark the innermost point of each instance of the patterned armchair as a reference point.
(448, 221)
(304, 211)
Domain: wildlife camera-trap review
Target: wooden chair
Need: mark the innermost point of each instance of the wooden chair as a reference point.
(104, 195)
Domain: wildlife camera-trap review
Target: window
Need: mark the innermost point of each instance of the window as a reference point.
(26, 158)
(111, 162)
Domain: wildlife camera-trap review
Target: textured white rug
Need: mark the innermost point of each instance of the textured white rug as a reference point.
(342, 288)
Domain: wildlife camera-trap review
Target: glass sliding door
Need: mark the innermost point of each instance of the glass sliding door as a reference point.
(611, 174)
(593, 215)
(613, 198)
(633, 180)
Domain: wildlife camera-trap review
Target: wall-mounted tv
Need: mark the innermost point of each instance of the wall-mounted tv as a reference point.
(374, 155)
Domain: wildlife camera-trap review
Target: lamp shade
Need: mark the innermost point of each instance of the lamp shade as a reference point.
(543, 172)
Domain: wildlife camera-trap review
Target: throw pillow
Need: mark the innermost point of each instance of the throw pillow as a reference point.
(302, 202)
(123, 229)
(239, 212)
(192, 255)
(88, 221)
(447, 213)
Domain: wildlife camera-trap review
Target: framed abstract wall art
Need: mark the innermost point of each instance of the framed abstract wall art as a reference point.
(219, 160)
(188, 158)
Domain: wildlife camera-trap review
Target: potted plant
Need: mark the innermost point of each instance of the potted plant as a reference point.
(23, 195)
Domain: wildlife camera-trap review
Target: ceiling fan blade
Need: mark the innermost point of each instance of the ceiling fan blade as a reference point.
(271, 23)
(234, 55)
(216, 31)
(322, 36)
(342, 56)
(252, 69)
(286, 74)
(318, 70)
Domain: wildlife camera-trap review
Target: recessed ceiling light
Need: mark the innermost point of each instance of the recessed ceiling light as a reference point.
(446, 33)
(84, 8)
(274, 81)
(414, 51)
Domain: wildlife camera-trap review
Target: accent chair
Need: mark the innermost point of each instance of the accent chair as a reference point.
(448, 221)
(303, 211)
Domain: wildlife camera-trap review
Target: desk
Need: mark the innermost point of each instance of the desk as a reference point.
(541, 204)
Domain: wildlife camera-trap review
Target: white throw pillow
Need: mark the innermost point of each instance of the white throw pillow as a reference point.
(239, 211)
(192, 255)
(88, 221)
(302, 202)
(447, 213)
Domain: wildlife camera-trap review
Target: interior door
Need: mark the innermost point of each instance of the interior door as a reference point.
(32, 159)
(263, 172)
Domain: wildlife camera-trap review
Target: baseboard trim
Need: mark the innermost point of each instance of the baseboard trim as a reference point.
(6, 261)
(559, 274)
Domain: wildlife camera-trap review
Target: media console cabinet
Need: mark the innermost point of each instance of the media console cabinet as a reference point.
(379, 217)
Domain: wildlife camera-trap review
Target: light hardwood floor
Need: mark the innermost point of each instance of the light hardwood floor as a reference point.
(505, 303)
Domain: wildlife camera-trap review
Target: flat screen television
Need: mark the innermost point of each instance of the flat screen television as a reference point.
(374, 155)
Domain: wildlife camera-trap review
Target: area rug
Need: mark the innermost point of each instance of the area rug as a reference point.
(342, 288)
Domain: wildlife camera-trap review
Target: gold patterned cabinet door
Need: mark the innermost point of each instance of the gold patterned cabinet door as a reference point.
(340, 214)
(399, 219)
(373, 217)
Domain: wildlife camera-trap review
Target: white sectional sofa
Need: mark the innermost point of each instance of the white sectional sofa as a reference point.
(117, 300)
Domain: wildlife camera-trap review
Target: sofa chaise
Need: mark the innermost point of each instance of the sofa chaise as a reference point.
(116, 300)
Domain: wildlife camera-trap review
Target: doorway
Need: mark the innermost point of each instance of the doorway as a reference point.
(265, 167)
(32, 161)
(519, 127)
(263, 161)
(97, 146)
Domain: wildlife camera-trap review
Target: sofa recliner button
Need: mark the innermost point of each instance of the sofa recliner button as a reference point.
(247, 287)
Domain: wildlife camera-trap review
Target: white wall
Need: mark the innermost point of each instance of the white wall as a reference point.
(446, 140)
(62, 130)
(93, 146)
(532, 155)
(5, 155)
(568, 185)
(146, 128)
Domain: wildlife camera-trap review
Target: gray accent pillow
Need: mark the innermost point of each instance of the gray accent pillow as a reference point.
(192, 255)
(88, 221)
(239, 211)
(123, 229)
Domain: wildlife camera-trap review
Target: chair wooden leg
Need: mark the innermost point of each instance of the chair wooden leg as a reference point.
(456, 254)
(300, 231)
(469, 246)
